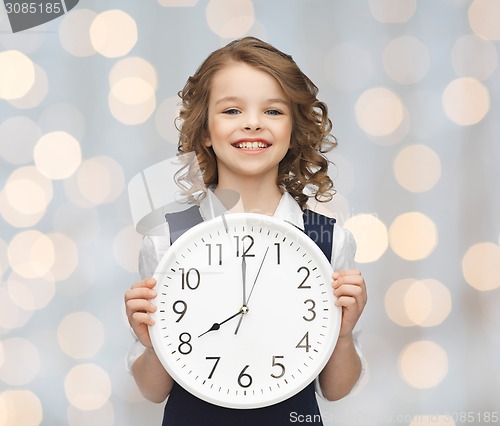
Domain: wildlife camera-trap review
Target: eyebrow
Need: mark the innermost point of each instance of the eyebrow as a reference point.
(235, 98)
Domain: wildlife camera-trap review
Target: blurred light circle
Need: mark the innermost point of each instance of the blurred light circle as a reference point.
(370, 235)
(131, 114)
(392, 11)
(126, 246)
(99, 180)
(230, 19)
(417, 168)
(74, 32)
(406, 60)
(134, 67)
(18, 136)
(27, 191)
(11, 315)
(427, 302)
(432, 420)
(21, 361)
(132, 91)
(394, 302)
(466, 101)
(2, 356)
(113, 33)
(63, 117)
(57, 155)
(26, 196)
(177, 3)
(104, 416)
(481, 266)
(80, 335)
(31, 254)
(37, 92)
(20, 407)
(14, 218)
(66, 256)
(17, 74)
(484, 16)
(379, 111)
(413, 236)
(165, 116)
(87, 387)
(472, 56)
(356, 68)
(31, 294)
(423, 364)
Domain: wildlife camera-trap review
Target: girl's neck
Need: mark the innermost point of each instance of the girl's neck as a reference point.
(255, 197)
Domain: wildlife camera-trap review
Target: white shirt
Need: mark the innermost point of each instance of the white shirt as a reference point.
(154, 247)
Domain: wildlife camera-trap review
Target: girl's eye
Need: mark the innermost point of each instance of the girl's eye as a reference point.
(273, 112)
(231, 111)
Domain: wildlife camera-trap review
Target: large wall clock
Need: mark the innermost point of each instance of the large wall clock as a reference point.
(245, 311)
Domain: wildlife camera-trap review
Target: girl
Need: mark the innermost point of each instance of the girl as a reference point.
(254, 122)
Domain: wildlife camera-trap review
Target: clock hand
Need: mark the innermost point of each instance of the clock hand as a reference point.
(243, 274)
(217, 325)
(245, 304)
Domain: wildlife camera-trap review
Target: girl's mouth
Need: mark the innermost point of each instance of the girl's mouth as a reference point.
(254, 146)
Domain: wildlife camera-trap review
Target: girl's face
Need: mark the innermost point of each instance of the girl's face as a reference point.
(249, 123)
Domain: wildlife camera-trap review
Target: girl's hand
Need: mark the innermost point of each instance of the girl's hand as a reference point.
(138, 308)
(350, 289)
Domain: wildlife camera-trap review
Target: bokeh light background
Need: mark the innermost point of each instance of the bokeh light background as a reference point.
(87, 101)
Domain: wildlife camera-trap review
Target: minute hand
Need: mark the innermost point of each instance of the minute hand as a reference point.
(251, 290)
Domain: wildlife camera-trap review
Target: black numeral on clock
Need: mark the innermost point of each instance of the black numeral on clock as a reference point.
(217, 252)
(244, 379)
(217, 359)
(180, 311)
(279, 365)
(304, 343)
(190, 278)
(303, 283)
(185, 347)
(278, 253)
(246, 242)
(311, 309)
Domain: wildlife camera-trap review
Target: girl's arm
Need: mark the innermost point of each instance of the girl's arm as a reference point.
(151, 378)
(344, 367)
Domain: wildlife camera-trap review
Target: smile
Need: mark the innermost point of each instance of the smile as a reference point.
(251, 145)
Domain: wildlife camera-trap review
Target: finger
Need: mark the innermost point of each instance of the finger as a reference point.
(349, 279)
(139, 318)
(148, 282)
(347, 302)
(139, 305)
(140, 293)
(349, 290)
(345, 272)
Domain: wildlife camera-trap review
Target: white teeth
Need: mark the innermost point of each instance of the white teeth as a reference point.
(251, 145)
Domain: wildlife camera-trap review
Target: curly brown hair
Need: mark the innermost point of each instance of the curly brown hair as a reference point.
(304, 165)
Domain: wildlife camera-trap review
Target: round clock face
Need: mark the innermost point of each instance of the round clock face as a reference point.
(245, 311)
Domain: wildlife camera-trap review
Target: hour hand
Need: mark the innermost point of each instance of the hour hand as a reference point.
(216, 325)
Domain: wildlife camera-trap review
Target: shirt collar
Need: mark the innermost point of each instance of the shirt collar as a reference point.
(288, 209)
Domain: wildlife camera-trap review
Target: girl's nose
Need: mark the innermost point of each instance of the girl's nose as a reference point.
(253, 123)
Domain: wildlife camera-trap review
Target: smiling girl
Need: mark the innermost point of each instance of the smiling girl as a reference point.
(257, 128)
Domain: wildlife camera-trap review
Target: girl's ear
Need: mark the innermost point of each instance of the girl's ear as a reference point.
(206, 139)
